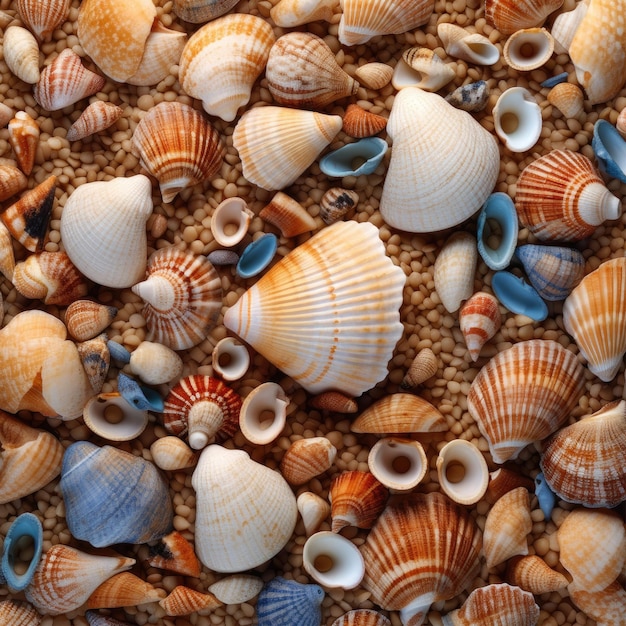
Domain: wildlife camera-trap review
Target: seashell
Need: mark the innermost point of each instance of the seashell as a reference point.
(545, 496)
(333, 560)
(592, 546)
(155, 363)
(21, 53)
(360, 158)
(610, 150)
(533, 574)
(497, 231)
(423, 366)
(184, 600)
(24, 139)
(109, 416)
(472, 97)
(183, 296)
(202, 407)
(509, 17)
(552, 270)
(356, 499)
(423, 173)
(565, 26)
(358, 122)
(174, 553)
(12, 181)
(230, 221)
(423, 69)
(7, 256)
(129, 494)
(479, 321)
(506, 527)
(592, 314)
(306, 459)
(124, 589)
(528, 49)
(360, 21)
(257, 255)
(43, 18)
(318, 277)
(114, 33)
(336, 203)
(97, 116)
(94, 619)
(497, 603)
(86, 319)
(334, 401)
(6, 114)
(462, 472)
(18, 613)
(277, 144)
(605, 606)
(302, 72)
(230, 359)
(502, 481)
(103, 228)
(200, 11)
(95, 356)
(517, 119)
(118, 352)
(284, 602)
(463, 44)
(237, 588)
(30, 458)
(172, 454)
(374, 75)
(313, 509)
(288, 215)
(289, 13)
(362, 617)
(223, 257)
(139, 396)
(66, 577)
(567, 98)
(454, 270)
(264, 413)
(222, 60)
(523, 394)
(233, 491)
(400, 413)
(26, 529)
(423, 549)
(399, 464)
(518, 296)
(28, 218)
(585, 462)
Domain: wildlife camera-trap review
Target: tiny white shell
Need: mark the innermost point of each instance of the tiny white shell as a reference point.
(462, 471)
(230, 221)
(263, 413)
(399, 464)
(230, 359)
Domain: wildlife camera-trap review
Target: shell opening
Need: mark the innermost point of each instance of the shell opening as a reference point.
(398, 464)
(509, 122)
(263, 413)
(21, 554)
(613, 143)
(112, 413)
(455, 472)
(462, 471)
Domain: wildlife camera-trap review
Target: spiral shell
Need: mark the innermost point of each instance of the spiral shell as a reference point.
(533, 574)
(172, 454)
(479, 320)
(184, 600)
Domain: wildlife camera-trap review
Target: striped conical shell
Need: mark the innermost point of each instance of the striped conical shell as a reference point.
(184, 600)
(124, 589)
(85, 319)
(359, 122)
(509, 16)
(533, 574)
(356, 499)
(96, 117)
(42, 18)
(307, 458)
(479, 320)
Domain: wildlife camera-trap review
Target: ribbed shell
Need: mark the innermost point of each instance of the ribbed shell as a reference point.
(86, 319)
(42, 18)
(24, 139)
(288, 215)
(334, 401)
(479, 321)
(593, 315)
(336, 203)
(533, 574)
(175, 554)
(285, 602)
(423, 366)
(374, 75)
(356, 499)
(18, 613)
(504, 480)
(322, 290)
(124, 589)
(21, 54)
(12, 181)
(524, 394)
(96, 117)
(605, 606)
(237, 588)
(358, 122)
(289, 13)
(184, 600)
(567, 98)
(362, 617)
(200, 11)
(509, 16)
(454, 270)
(307, 458)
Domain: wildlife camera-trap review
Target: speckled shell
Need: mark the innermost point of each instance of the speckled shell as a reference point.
(288, 215)
(223, 59)
(524, 394)
(96, 117)
(454, 270)
(593, 314)
(284, 602)
(24, 139)
(237, 588)
(18, 613)
(124, 589)
(86, 319)
(479, 321)
(358, 122)
(184, 600)
(319, 277)
(423, 366)
(605, 606)
(567, 98)
(42, 18)
(21, 54)
(509, 16)
(12, 181)
(307, 458)
(175, 554)
(172, 454)
(289, 13)
(560, 197)
(362, 617)
(200, 11)
(533, 574)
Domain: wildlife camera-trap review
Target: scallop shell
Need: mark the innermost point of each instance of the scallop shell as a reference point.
(155, 363)
(567, 98)
(307, 458)
(288, 215)
(528, 49)
(363, 19)
(86, 319)
(175, 554)
(223, 59)
(237, 588)
(12, 181)
(462, 44)
(605, 606)
(423, 366)
(524, 394)
(172, 454)
(42, 18)
(509, 16)
(24, 139)
(399, 464)
(97, 116)
(289, 13)
(277, 144)
(21, 54)
(184, 600)
(18, 613)
(313, 510)
(374, 75)
(479, 321)
(362, 617)
(233, 491)
(319, 277)
(533, 574)
(285, 602)
(183, 296)
(421, 68)
(336, 203)
(358, 122)
(302, 71)
(454, 270)
(124, 589)
(462, 472)
(592, 316)
(200, 11)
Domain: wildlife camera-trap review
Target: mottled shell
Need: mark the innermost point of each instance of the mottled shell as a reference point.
(97, 116)
(18, 613)
(21, 54)
(86, 319)
(567, 98)
(307, 458)
(175, 554)
(237, 588)
(509, 16)
(374, 75)
(605, 606)
(200, 11)
(24, 139)
(124, 589)
(336, 203)
(183, 600)
(42, 18)
(12, 181)
(479, 321)
(288, 215)
(454, 270)
(358, 122)
(362, 617)
(533, 574)
(285, 602)
(524, 394)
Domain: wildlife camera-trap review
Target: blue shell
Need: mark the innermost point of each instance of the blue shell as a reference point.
(138, 396)
(25, 525)
(518, 296)
(287, 603)
(257, 255)
(355, 159)
(118, 352)
(545, 496)
(555, 80)
(610, 150)
(498, 216)
(113, 497)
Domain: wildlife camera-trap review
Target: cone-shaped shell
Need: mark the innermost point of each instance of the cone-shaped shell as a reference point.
(423, 366)
(479, 321)
(533, 574)
(124, 589)
(178, 146)
(233, 491)
(96, 117)
(321, 285)
(277, 144)
(454, 270)
(86, 319)
(524, 394)
(21, 53)
(12, 181)
(285, 602)
(155, 363)
(466, 45)
(18, 613)
(358, 122)
(288, 215)
(42, 18)
(222, 60)
(509, 16)
(362, 617)
(174, 553)
(307, 458)
(399, 464)
(313, 509)
(605, 606)
(96, 359)
(289, 13)
(184, 600)
(423, 173)
(528, 49)
(592, 315)
(24, 139)
(237, 588)
(462, 471)
(172, 454)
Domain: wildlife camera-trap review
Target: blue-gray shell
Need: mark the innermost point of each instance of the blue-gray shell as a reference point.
(285, 602)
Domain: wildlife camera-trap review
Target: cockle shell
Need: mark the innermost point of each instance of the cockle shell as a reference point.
(124, 589)
(423, 366)
(592, 315)
(318, 277)
(103, 228)
(233, 491)
(358, 122)
(479, 321)
(605, 606)
(399, 464)
(463, 44)
(18, 613)
(509, 16)
(172, 454)
(113, 497)
(284, 602)
(462, 471)
(523, 394)
(288, 215)
(533, 574)
(374, 75)
(24, 139)
(363, 19)
(289, 13)
(178, 146)
(222, 60)
(302, 71)
(423, 173)
(332, 560)
(568, 99)
(174, 553)
(85, 319)
(362, 617)
(421, 68)
(200, 11)
(277, 144)
(21, 53)
(155, 363)
(42, 18)
(96, 117)
(313, 510)
(237, 588)
(307, 458)
(12, 181)
(528, 49)
(183, 600)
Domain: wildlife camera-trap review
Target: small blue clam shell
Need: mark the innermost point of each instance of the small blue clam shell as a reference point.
(610, 150)
(545, 496)
(555, 80)
(497, 218)
(139, 396)
(287, 603)
(25, 526)
(257, 255)
(518, 296)
(112, 496)
(118, 352)
(355, 159)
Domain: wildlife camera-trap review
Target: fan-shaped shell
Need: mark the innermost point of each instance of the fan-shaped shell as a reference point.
(509, 16)
(362, 617)
(18, 613)
(533, 574)
(358, 122)
(307, 458)
(524, 394)
(124, 589)
(21, 54)
(96, 117)
(42, 18)
(174, 553)
(454, 270)
(318, 286)
(284, 602)
(237, 588)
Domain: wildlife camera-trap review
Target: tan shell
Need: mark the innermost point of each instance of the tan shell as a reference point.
(423, 366)
(184, 600)
(96, 117)
(18, 613)
(399, 464)
(479, 321)
(313, 510)
(230, 221)
(288, 215)
(172, 454)
(374, 75)
(155, 363)
(362, 617)
(509, 16)
(237, 588)
(605, 606)
(334, 401)
(24, 139)
(6, 114)
(462, 471)
(21, 53)
(42, 18)
(567, 98)
(533, 574)
(528, 49)
(86, 319)
(289, 13)
(421, 68)
(175, 554)
(307, 458)
(463, 44)
(504, 480)
(124, 589)
(358, 122)
(12, 181)
(337, 203)
(230, 359)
